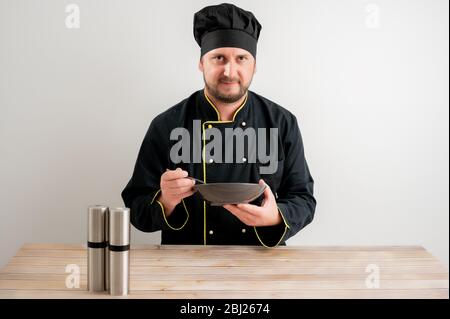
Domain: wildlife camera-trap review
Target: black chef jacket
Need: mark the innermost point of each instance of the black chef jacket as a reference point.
(194, 221)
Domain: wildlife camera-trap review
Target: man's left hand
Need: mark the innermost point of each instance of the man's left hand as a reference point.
(265, 215)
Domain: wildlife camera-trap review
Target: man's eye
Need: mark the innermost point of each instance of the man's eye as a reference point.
(220, 58)
(242, 58)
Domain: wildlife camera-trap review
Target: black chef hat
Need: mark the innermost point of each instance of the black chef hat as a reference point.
(226, 25)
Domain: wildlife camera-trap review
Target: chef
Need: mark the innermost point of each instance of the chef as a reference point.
(161, 192)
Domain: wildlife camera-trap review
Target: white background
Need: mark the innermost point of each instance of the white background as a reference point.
(369, 87)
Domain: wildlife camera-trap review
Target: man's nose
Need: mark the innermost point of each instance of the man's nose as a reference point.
(230, 70)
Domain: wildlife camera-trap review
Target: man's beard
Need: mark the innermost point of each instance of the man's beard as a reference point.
(226, 98)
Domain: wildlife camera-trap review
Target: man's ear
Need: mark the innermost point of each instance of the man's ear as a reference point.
(254, 71)
(200, 65)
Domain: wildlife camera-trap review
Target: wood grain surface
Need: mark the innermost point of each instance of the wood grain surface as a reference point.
(229, 272)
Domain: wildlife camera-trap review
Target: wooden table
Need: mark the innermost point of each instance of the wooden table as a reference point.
(39, 271)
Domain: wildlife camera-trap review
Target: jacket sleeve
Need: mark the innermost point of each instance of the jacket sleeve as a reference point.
(295, 202)
(141, 192)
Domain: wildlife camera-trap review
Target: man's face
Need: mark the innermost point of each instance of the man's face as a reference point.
(227, 73)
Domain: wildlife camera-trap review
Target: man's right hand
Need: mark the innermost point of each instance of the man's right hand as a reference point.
(174, 187)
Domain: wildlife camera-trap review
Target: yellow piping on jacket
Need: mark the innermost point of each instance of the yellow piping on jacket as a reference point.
(204, 150)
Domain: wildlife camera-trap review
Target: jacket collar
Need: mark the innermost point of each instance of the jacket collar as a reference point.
(209, 111)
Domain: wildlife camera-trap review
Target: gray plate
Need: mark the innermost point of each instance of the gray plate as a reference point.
(218, 194)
